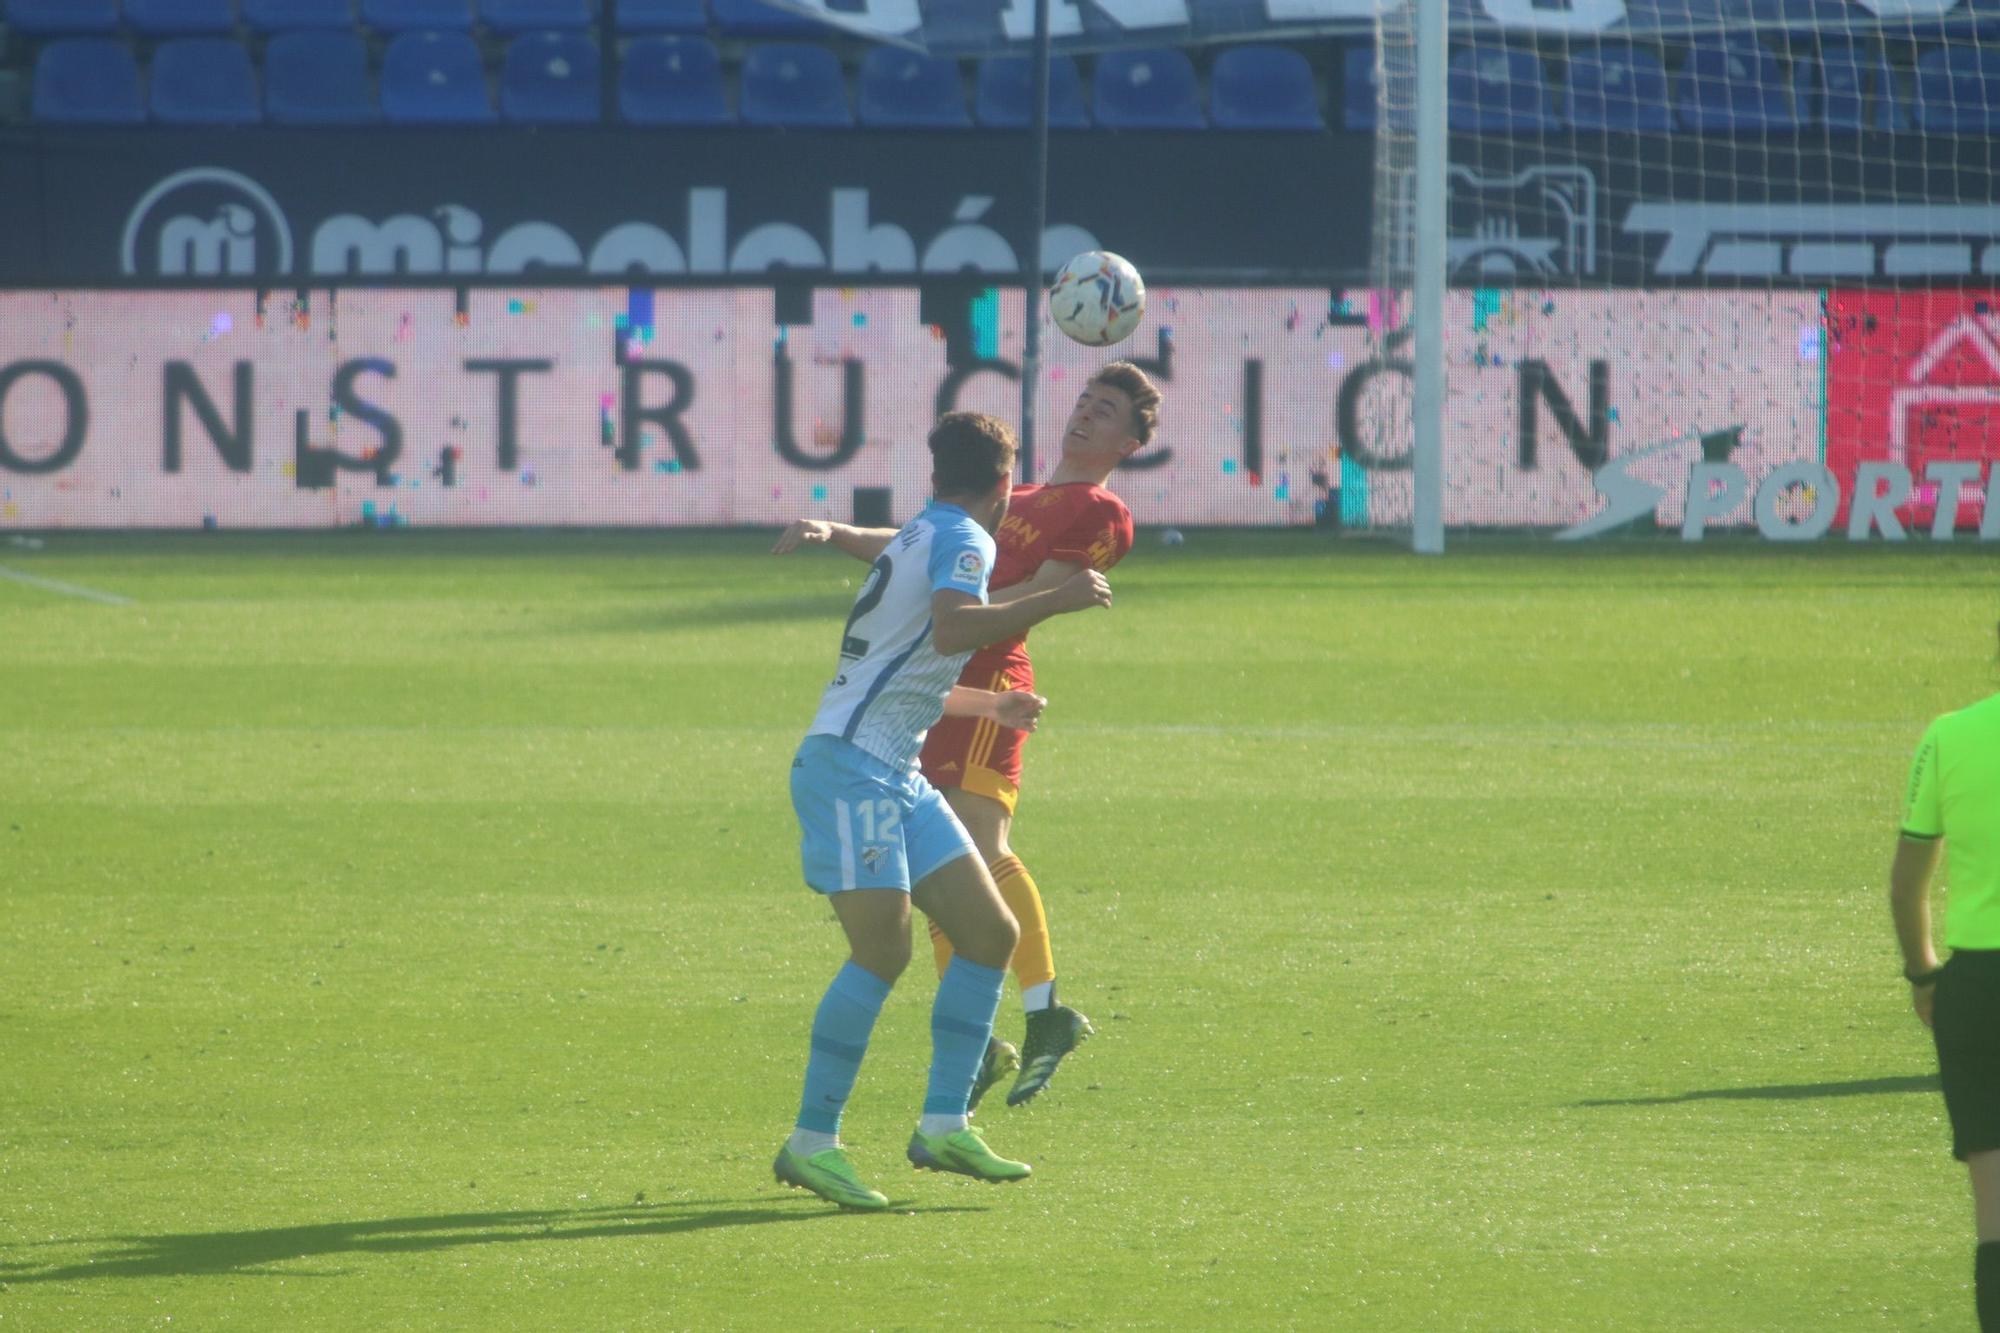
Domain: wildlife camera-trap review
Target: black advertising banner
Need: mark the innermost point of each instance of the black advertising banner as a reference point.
(278, 209)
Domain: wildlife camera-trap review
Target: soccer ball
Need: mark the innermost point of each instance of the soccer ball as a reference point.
(1098, 298)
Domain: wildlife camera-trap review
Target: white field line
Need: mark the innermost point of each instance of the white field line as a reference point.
(65, 589)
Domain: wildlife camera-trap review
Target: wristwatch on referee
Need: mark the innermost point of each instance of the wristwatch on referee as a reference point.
(1924, 978)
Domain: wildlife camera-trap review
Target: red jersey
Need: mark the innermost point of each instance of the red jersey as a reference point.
(1075, 521)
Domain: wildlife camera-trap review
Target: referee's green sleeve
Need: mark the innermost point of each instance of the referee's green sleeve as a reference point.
(1920, 803)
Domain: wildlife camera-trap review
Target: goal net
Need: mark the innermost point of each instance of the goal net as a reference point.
(1731, 264)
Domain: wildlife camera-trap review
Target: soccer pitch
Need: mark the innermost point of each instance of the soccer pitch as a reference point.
(404, 931)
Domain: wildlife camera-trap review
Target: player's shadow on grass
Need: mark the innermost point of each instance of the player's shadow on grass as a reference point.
(255, 1253)
(1781, 1092)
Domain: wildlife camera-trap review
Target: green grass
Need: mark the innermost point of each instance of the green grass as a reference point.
(404, 932)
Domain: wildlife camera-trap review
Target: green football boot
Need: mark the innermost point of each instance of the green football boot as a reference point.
(828, 1174)
(1002, 1058)
(1052, 1033)
(964, 1152)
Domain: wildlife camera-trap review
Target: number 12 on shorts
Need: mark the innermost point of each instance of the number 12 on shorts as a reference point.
(875, 821)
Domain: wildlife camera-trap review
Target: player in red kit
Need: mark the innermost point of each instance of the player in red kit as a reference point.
(1052, 531)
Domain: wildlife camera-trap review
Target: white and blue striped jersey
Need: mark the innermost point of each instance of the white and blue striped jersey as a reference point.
(892, 681)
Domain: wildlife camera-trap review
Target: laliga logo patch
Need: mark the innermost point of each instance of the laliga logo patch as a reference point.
(969, 566)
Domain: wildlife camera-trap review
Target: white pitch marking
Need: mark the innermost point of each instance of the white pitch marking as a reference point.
(66, 589)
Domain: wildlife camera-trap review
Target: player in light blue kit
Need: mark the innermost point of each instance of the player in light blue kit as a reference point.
(877, 836)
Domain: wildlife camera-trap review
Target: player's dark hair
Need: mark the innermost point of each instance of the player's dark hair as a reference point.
(1133, 383)
(970, 453)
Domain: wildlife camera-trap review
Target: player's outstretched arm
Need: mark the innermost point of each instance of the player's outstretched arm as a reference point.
(864, 544)
(1049, 574)
(1020, 710)
(960, 623)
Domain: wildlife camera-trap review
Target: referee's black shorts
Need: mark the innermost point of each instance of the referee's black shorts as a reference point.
(1966, 1023)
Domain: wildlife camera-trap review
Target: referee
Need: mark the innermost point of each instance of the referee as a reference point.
(1954, 797)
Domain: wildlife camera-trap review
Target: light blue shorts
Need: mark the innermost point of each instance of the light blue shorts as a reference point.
(865, 825)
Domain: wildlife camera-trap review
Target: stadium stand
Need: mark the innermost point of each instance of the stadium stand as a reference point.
(673, 81)
(435, 78)
(1263, 88)
(552, 78)
(900, 89)
(318, 78)
(795, 85)
(204, 81)
(88, 81)
(1003, 98)
(1147, 89)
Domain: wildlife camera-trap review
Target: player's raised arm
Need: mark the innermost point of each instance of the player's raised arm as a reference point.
(1049, 574)
(864, 544)
(961, 623)
(1019, 710)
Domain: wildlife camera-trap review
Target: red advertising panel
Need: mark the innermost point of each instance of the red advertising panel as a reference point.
(1913, 378)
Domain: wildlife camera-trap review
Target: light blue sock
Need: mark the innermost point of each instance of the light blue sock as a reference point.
(840, 1031)
(961, 1022)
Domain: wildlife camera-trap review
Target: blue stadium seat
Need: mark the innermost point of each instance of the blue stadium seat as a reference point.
(787, 83)
(903, 90)
(87, 81)
(1263, 88)
(298, 15)
(1004, 97)
(673, 81)
(1357, 86)
(56, 18)
(1958, 89)
(318, 78)
(755, 19)
(1732, 83)
(684, 16)
(435, 78)
(1147, 89)
(1497, 90)
(1617, 87)
(417, 15)
(537, 15)
(1847, 86)
(181, 18)
(552, 78)
(204, 81)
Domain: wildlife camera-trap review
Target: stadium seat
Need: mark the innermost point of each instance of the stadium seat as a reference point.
(1004, 96)
(181, 18)
(417, 15)
(673, 81)
(903, 90)
(1617, 87)
(87, 81)
(1147, 89)
(1263, 88)
(318, 78)
(1357, 86)
(298, 15)
(1497, 90)
(1958, 89)
(512, 16)
(790, 84)
(57, 18)
(204, 81)
(1732, 83)
(754, 19)
(435, 78)
(552, 78)
(1847, 86)
(684, 16)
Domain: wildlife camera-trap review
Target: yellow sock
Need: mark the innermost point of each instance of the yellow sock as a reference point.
(941, 947)
(1034, 959)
